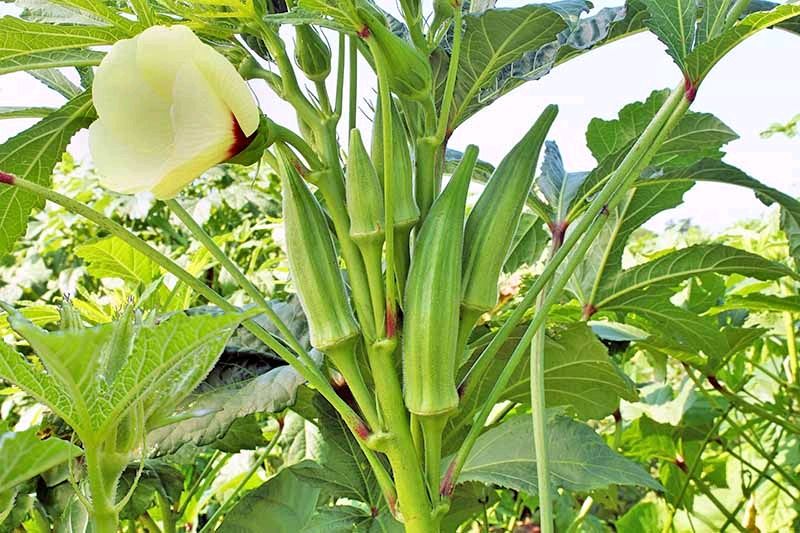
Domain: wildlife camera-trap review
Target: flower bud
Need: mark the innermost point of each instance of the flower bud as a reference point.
(493, 221)
(408, 69)
(432, 300)
(364, 194)
(312, 53)
(312, 261)
(170, 107)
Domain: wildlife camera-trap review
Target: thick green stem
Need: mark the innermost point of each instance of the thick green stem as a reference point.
(372, 254)
(103, 487)
(352, 86)
(402, 258)
(425, 183)
(415, 506)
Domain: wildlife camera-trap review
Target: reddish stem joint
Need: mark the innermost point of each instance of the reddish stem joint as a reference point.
(8, 179)
(690, 87)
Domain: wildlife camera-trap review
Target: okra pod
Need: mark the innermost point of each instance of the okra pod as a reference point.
(313, 264)
(432, 298)
(312, 53)
(493, 221)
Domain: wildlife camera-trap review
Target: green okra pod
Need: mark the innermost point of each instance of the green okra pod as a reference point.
(493, 221)
(364, 197)
(312, 53)
(364, 194)
(432, 299)
(408, 69)
(313, 264)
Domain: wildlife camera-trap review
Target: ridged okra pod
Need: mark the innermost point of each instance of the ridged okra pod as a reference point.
(493, 221)
(432, 299)
(313, 264)
(365, 207)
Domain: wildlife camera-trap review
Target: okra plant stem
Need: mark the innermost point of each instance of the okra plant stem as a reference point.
(311, 374)
(452, 72)
(352, 86)
(415, 505)
(388, 192)
(584, 234)
(344, 357)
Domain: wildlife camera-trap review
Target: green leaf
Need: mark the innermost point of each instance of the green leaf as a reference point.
(713, 21)
(760, 303)
(167, 362)
(24, 456)
(32, 155)
(673, 21)
(212, 411)
(348, 519)
(144, 12)
(558, 186)
(674, 267)
(529, 242)
(114, 258)
(703, 58)
(54, 79)
(578, 374)
(32, 45)
(696, 136)
(644, 516)
(579, 459)
(99, 11)
(682, 333)
(42, 386)
(492, 40)
(156, 478)
(284, 503)
(24, 112)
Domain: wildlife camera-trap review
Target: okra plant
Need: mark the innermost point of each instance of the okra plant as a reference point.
(398, 244)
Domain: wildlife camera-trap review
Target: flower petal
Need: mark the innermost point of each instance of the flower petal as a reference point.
(161, 51)
(230, 86)
(122, 167)
(126, 104)
(204, 132)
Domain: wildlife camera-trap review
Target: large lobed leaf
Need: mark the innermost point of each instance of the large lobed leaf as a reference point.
(32, 155)
(579, 459)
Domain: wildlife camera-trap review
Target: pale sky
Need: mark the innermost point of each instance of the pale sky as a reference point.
(754, 86)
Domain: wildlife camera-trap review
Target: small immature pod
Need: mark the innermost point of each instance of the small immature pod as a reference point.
(364, 194)
(493, 221)
(312, 53)
(408, 69)
(432, 300)
(312, 260)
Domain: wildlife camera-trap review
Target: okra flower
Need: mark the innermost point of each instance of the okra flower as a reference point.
(169, 107)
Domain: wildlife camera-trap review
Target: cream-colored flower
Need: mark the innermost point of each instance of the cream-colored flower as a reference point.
(169, 108)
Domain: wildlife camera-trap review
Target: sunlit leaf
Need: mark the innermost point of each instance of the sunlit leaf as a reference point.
(24, 456)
